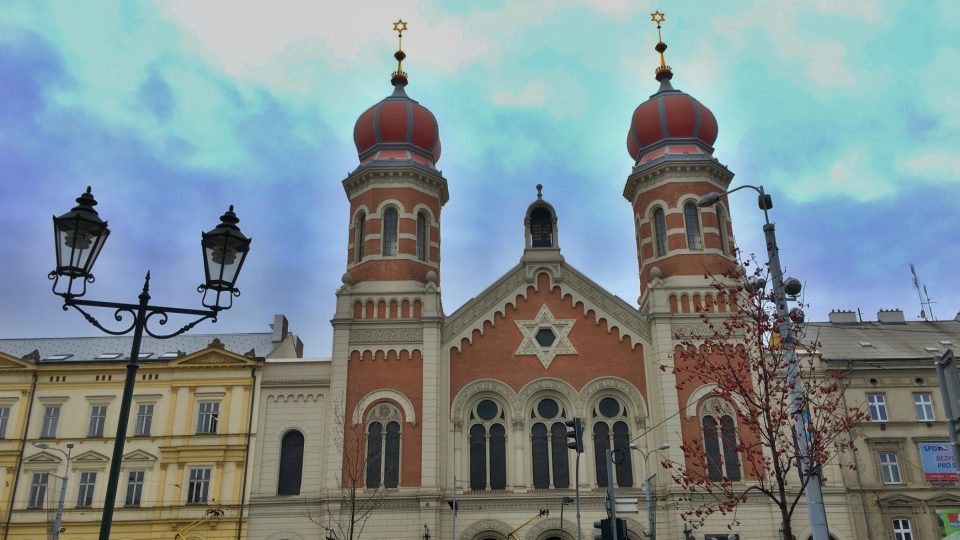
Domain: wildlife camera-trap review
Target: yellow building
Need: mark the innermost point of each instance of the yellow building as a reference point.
(188, 449)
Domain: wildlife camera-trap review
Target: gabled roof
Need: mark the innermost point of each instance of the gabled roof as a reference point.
(875, 341)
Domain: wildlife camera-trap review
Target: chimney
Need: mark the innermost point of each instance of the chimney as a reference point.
(843, 317)
(279, 328)
(891, 316)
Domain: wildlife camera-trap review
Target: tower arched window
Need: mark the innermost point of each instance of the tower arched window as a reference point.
(720, 441)
(488, 446)
(691, 218)
(722, 225)
(548, 441)
(423, 235)
(612, 432)
(291, 463)
(389, 237)
(660, 231)
(382, 462)
(541, 227)
(360, 233)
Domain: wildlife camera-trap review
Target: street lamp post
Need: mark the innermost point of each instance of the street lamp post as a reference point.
(79, 236)
(58, 519)
(797, 391)
(650, 489)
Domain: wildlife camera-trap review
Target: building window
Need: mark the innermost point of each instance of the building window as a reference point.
(660, 231)
(98, 416)
(88, 480)
(722, 225)
(610, 427)
(720, 441)
(38, 490)
(541, 227)
(207, 417)
(488, 446)
(389, 236)
(889, 468)
(423, 236)
(198, 490)
(291, 463)
(134, 488)
(144, 420)
(360, 234)
(4, 419)
(51, 417)
(548, 437)
(902, 530)
(691, 219)
(877, 404)
(383, 447)
(924, 405)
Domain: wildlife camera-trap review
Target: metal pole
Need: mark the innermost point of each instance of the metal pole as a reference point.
(950, 392)
(114, 476)
(577, 491)
(453, 508)
(797, 391)
(63, 495)
(651, 506)
(611, 496)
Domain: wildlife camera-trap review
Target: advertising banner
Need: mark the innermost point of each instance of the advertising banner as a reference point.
(938, 464)
(950, 520)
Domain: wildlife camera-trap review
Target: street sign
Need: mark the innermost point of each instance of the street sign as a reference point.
(627, 505)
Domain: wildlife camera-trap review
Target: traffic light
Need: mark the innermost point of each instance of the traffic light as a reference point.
(575, 435)
(606, 527)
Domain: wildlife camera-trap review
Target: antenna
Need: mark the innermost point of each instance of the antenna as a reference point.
(925, 300)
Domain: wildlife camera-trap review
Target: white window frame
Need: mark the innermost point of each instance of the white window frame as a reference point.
(135, 480)
(902, 529)
(208, 416)
(198, 485)
(39, 483)
(48, 430)
(4, 420)
(87, 484)
(877, 404)
(144, 422)
(98, 422)
(923, 403)
(890, 468)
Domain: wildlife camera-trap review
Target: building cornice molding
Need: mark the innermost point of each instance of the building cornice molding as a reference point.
(387, 175)
(659, 169)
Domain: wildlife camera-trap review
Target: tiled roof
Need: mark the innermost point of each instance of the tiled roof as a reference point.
(87, 349)
(913, 340)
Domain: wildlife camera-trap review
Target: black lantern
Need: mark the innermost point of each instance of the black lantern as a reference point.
(426, 533)
(224, 250)
(79, 236)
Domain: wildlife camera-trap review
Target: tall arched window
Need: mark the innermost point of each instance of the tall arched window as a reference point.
(541, 227)
(722, 225)
(548, 438)
(359, 233)
(488, 446)
(383, 447)
(720, 441)
(660, 231)
(691, 218)
(389, 237)
(291, 463)
(423, 235)
(610, 427)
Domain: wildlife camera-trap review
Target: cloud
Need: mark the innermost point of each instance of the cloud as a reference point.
(851, 174)
(943, 165)
(531, 94)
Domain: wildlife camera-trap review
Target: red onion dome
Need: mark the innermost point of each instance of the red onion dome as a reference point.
(670, 122)
(398, 128)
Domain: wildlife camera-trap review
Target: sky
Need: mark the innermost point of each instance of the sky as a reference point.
(848, 113)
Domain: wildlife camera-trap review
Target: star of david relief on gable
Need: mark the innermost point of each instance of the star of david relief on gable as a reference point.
(545, 336)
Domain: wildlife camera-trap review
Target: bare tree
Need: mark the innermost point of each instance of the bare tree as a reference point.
(346, 510)
(745, 436)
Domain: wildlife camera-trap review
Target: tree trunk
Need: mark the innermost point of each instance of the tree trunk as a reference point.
(786, 527)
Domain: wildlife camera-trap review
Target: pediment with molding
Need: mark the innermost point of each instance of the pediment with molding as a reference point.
(139, 456)
(90, 457)
(42, 458)
(898, 499)
(10, 362)
(574, 287)
(213, 357)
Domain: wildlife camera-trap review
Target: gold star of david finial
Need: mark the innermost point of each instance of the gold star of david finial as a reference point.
(399, 76)
(658, 17)
(400, 27)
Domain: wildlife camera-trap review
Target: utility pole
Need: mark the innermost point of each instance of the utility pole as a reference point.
(950, 391)
(611, 497)
(58, 518)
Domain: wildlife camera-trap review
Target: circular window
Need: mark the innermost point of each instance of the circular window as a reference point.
(609, 407)
(548, 408)
(487, 410)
